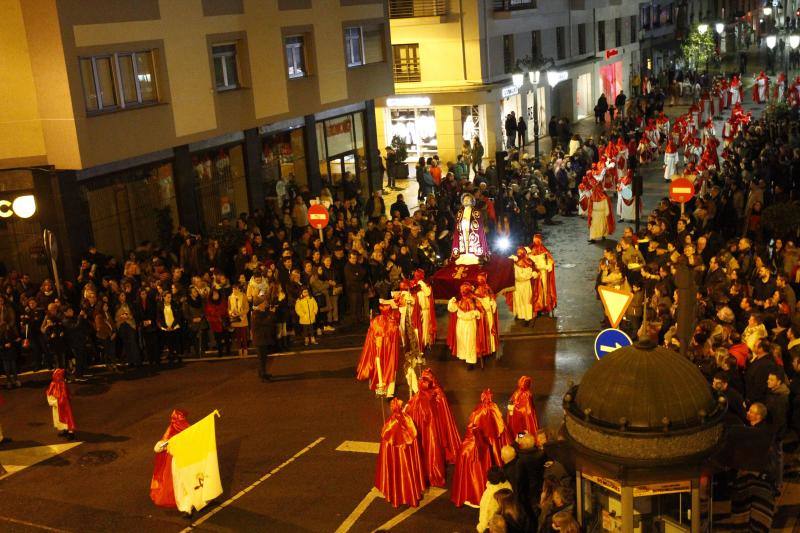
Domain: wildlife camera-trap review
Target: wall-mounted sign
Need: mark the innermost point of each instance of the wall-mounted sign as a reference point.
(611, 53)
(508, 92)
(408, 101)
(22, 206)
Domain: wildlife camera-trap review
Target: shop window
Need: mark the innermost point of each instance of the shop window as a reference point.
(354, 46)
(560, 45)
(284, 156)
(226, 74)
(601, 35)
(295, 56)
(582, 38)
(406, 63)
(129, 208)
(417, 126)
(471, 123)
(220, 184)
(508, 53)
(117, 81)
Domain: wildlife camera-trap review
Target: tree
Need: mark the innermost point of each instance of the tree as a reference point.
(698, 48)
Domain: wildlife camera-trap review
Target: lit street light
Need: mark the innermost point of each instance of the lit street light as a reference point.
(702, 28)
(794, 41)
(720, 27)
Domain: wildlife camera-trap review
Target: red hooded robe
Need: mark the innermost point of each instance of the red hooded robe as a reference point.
(522, 418)
(540, 303)
(162, 491)
(383, 343)
(399, 474)
(58, 389)
(416, 317)
(444, 417)
(423, 411)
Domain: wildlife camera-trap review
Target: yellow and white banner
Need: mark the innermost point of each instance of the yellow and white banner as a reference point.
(195, 471)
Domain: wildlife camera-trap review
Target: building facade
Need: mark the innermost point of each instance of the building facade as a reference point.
(453, 65)
(127, 119)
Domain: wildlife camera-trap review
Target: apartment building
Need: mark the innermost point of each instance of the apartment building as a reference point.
(454, 60)
(125, 119)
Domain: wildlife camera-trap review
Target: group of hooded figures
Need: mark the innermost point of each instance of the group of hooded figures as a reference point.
(692, 136)
(419, 439)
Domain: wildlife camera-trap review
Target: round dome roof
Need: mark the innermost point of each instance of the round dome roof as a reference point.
(645, 387)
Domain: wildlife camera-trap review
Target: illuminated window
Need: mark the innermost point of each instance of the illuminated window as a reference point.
(354, 46)
(118, 81)
(296, 56)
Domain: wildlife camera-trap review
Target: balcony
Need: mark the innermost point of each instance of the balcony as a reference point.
(405, 9)
(513, 5)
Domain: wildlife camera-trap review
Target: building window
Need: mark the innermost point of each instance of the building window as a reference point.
(508, 53)
(226, 76)
(601, 35)
(296, 56)
(617, 32)
(536, 44)
(364, 45)
(354, 46)
(508, 5)
(582, 38)
(406, 63)
(645, 17)
(560, 48)
(633, 28)
(118, 81)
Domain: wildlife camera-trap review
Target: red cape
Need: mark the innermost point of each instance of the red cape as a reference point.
(422, 410)
(487, 418)
(58, 389)
(444, 418)
(383, 341)
(474, 461)
(161, 488)
(523, 419)
(399, 474)
(536, 286)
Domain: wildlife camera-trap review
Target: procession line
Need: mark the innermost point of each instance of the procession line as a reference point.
(252, 486)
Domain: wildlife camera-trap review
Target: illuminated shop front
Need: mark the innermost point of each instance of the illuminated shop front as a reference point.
(341, 151)
(438, 124)
(221, 186)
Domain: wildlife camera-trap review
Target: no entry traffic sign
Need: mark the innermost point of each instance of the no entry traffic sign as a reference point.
(318, 216)
(681, 190)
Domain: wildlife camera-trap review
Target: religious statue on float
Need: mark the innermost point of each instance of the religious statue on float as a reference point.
(469, 237)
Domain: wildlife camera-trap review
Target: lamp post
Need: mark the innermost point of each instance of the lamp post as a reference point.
(771, 40)
(533, 67)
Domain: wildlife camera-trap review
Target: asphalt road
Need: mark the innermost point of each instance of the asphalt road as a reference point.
(102, 484)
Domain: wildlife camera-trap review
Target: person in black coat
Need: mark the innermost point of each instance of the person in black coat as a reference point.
(736, 413)
(758, 370)
(78, 331)
(264, 334)
(169, 319)
(145, 311)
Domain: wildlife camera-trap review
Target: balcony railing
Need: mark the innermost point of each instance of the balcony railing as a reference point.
(403, 9)
(511, 5)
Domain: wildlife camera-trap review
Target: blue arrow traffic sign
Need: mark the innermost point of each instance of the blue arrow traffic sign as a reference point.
(609, 340)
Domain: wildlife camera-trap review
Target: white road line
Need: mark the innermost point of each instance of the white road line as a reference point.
(359, 446)
(252, 486)
(432, 494)
(31, 524)
(359, 510)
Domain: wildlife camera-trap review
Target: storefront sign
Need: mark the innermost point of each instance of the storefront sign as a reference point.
(611, 53)
(339, 135)
(508, 92)
(22, 206)
(408, 101)
(654, 489)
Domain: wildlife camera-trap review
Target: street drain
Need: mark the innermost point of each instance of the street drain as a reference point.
(98, 458)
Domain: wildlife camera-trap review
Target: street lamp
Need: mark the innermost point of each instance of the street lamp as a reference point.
(772, 40)
(533, 77)
(702, 29)
(767, 11)
(794, 41)
(720, 27)
(517, 79)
